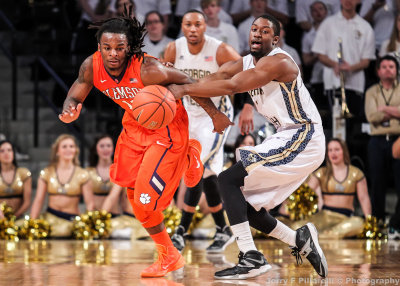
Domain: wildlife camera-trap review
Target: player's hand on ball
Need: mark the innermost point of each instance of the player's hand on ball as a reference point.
(221, 122)
(71, 113)
(177, 90)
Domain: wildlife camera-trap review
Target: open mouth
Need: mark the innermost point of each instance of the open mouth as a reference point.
(255, 44)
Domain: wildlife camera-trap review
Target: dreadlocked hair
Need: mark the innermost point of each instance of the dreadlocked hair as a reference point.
(126, 24)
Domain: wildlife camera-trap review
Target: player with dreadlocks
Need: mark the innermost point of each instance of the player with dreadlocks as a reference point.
(150, 163)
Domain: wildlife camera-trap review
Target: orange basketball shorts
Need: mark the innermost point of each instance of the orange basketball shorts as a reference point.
(151, 163)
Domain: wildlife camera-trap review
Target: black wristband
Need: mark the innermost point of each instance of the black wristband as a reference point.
(248, 99)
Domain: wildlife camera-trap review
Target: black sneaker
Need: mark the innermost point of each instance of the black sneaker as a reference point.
(251, 264)
(222, 239)
(177, 238)
(307, 245)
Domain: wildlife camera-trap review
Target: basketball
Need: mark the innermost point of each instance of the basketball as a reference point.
(154, 107)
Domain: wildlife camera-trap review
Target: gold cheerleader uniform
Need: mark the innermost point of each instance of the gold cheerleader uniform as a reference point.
(16, 188)
(335, 222)
(61, 222)
(100, 187)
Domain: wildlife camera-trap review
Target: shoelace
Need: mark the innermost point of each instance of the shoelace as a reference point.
(296, 253)
(241, 258)
(161, 257)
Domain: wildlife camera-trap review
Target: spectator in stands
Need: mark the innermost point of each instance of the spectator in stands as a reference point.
(290, 50)
(257, 9)
(337, 184)
(319, 12)
(304, 16)
(84, 42)
(241, 9)
(358, 49)
(217, 28)
(130, 5)
(243, 140)
(65, 181)
(381, 15)
(382, 108)
(15, 182)
(162, 6)
(392, 45)
(183, 6)
(155, 40)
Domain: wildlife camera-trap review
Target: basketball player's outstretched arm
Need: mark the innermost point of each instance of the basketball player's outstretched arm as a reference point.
(279, 67)
(77, 93)
(153, 72)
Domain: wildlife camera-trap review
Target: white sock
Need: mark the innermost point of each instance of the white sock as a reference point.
(243, 236)
(284, 233)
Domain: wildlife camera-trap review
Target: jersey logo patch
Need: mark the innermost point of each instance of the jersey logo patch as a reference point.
(144, 198)
(208, 58)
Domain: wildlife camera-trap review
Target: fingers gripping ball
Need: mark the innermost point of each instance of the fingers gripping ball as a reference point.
(154, 107)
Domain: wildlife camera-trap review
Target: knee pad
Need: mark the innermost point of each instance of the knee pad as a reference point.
(211, 191)
(192, 195)
(261, 220)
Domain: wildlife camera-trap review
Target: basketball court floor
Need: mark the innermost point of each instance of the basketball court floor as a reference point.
(119, 262)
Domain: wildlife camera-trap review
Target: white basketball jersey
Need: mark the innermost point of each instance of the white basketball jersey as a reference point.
(198, 66)
(285, 105)
(200, 124)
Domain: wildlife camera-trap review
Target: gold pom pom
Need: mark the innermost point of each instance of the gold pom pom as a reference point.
(7, 211)
(34, 229)
(8, 229)
(172, 218)
(92, 225)
(302, 203)
(373, 229)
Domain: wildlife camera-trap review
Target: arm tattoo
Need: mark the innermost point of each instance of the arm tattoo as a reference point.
(82, 70)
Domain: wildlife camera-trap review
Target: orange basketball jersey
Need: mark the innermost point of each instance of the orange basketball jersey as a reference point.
(122, 92)
(141, 154)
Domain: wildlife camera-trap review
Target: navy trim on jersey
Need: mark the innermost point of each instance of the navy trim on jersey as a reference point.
(156, 182)
(281, 155)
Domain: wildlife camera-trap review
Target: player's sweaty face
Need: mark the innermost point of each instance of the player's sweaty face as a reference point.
(113, 48)
(193, 27)
(261, 37)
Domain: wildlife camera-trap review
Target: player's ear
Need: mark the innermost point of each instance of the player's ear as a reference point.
(275, 40)
(98, 47)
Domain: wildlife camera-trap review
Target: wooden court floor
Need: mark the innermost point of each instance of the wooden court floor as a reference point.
(119, 262)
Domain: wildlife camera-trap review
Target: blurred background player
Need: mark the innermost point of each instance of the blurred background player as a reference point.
(199, 55)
